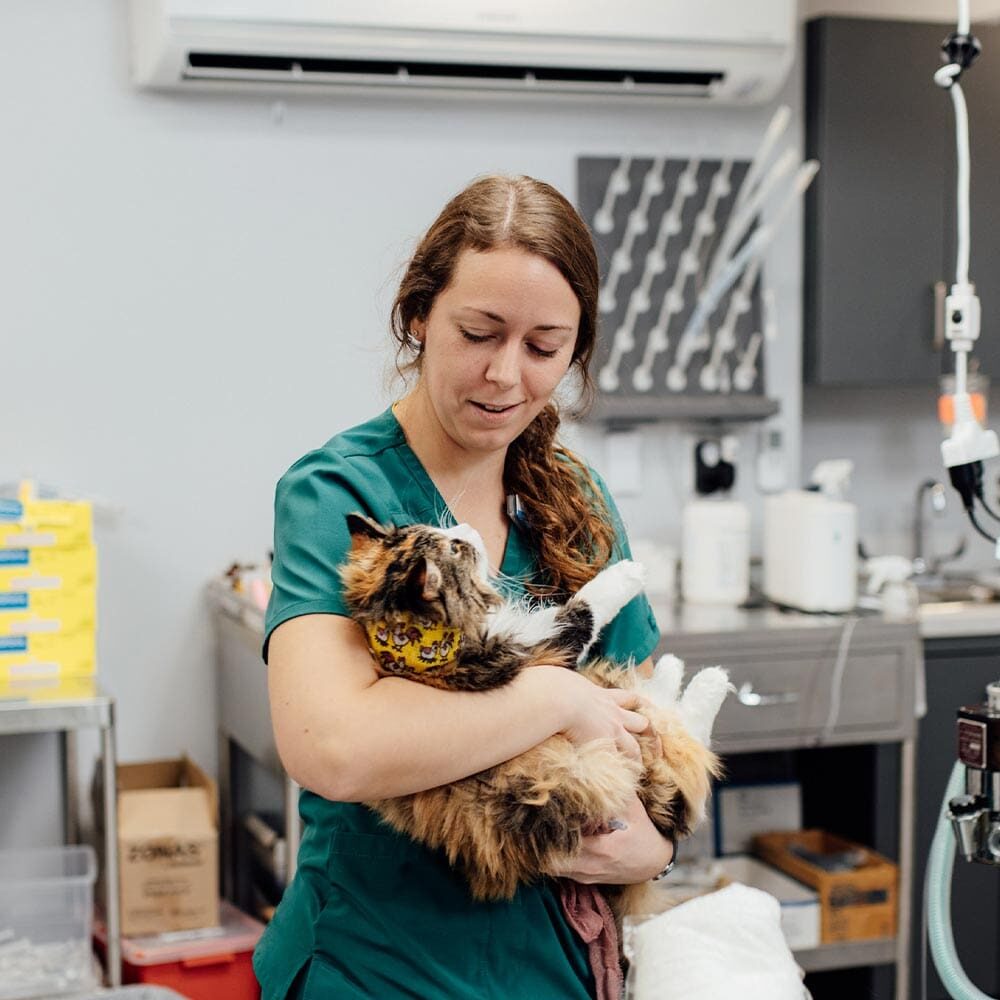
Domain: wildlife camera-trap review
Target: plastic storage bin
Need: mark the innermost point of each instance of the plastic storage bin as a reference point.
(133, 993)
(210, 964)
(46, 908)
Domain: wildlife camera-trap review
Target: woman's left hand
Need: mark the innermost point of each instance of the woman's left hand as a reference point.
(621, 857)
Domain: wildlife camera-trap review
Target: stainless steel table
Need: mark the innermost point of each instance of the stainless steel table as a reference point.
(244, 721)
(65, 710)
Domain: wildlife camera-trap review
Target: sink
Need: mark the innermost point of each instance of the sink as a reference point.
(956, 590)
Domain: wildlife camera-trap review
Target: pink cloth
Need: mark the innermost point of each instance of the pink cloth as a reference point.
(588, 913)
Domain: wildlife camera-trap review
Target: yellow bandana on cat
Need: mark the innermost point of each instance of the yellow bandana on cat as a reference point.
(408, 642)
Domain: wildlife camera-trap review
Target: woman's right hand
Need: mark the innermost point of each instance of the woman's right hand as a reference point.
(594, 712)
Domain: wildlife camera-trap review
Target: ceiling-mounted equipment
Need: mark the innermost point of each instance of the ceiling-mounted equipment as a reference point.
(719, 50)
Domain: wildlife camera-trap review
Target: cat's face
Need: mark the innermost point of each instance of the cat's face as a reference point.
(441, 572)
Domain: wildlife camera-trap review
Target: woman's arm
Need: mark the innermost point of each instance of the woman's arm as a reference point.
(622, 857)
(349, 735)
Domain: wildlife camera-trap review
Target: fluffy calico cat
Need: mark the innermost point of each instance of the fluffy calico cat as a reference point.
(423, 597)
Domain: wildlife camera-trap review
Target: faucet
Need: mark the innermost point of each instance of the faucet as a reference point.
(922, 563)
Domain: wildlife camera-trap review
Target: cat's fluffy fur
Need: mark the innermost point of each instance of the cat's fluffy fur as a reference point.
(521, 819)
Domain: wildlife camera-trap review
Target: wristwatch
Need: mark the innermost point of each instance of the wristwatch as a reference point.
(673, 861)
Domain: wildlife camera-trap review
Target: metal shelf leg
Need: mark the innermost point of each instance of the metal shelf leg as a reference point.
(112, 900)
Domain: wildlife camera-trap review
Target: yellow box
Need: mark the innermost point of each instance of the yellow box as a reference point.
(58, 610)
(47, 569)
(29, 523)
(44, 655)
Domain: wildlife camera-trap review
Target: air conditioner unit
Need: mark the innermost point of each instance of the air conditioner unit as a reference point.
(723, 50)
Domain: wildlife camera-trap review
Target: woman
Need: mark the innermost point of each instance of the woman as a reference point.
(498, 303)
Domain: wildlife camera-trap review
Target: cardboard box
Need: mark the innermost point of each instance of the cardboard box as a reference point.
(48, 654)
(30, 523)
(168, 846)
(744, 810)
(56, 610)
(855, 905)
(45, 569)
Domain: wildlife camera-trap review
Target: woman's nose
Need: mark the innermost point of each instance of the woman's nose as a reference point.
(504, 367)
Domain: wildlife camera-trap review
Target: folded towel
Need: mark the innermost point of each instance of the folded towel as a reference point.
(716, 947)
(588, 913)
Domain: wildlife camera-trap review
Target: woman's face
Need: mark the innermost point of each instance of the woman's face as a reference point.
(497, 342)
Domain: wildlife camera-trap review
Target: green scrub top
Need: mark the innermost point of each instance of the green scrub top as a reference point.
(370, 913)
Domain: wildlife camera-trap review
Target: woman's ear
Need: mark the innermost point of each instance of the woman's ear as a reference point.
(418, 331)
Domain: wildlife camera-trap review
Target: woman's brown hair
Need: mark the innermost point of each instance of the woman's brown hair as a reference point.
(564, 508)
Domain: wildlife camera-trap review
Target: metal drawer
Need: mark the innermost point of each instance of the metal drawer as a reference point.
(789, 694)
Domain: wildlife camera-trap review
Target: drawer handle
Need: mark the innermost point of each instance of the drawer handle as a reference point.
(752, 699)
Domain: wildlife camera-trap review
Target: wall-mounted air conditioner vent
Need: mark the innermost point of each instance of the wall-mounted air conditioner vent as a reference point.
(726, 50)
(393, 73)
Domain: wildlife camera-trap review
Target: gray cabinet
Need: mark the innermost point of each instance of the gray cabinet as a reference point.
(880, 217)
(821, 703)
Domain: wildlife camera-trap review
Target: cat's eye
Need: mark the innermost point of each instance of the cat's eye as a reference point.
(457, 547)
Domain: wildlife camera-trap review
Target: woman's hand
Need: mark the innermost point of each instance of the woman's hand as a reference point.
(594, 712)
(621, 857)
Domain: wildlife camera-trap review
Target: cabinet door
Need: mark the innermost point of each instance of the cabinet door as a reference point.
(957, 674)
(883, 133)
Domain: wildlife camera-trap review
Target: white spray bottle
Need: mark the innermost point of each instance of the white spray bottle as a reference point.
(715, 531)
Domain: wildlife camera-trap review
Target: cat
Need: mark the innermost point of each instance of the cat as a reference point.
(423, 597)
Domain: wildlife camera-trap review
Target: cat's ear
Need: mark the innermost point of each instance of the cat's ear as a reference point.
(365, 529)
(427, 579)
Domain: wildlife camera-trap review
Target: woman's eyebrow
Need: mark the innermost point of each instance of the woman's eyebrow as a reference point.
(542, 327)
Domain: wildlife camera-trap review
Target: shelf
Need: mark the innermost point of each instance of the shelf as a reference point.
(54, 711)
(847, 955)
(649, 409)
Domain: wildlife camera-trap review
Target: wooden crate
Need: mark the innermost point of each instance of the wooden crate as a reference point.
(854, 905)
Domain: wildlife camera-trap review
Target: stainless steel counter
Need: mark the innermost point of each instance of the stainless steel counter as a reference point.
(935, 621)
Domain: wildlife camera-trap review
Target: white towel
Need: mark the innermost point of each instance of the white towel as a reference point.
(715, 947)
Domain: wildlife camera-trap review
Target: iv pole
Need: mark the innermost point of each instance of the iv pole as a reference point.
(970, 819)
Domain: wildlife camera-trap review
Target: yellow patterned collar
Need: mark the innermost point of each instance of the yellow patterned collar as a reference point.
(406, 641)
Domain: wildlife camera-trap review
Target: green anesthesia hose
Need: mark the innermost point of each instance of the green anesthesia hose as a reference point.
(937, 895)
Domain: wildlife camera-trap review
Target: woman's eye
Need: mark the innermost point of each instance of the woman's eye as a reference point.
(474, 337)
(541, 352)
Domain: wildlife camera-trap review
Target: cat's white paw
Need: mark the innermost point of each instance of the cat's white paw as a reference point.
(612, 589)
(702, 699)
(664, 687)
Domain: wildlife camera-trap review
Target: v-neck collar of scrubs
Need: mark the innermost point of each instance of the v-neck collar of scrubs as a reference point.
(517, 557)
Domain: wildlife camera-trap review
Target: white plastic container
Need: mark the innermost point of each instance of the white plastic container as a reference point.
(46, 909)
(811, 552)
(715, 552)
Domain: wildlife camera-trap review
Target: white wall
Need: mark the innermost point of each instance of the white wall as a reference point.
(196, 291)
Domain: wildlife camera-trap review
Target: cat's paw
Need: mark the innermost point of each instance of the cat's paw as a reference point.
(664, 687)
(702, 699)
(612, 589)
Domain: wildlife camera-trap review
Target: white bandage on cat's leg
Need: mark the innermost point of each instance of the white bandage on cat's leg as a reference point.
(611, 590)
(702, 699)
(664, 687)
